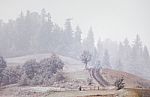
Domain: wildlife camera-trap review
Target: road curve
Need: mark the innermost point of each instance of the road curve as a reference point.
(98, 77)
(93, 73)
(101, 77)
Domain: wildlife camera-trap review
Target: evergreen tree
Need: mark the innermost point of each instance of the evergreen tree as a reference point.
(68, 32)
(120, 51)
(146, 56)
(137, 48)
(106, 60)
(88, 42)
(77, 36)
(3, 65)
(68, 38)
(77, 42)
(98, 64)
(119, 65)
(100, 49)
(127, 49)
(45, 33)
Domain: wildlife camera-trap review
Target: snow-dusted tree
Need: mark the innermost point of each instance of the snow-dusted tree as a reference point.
(67, 38)
(146, 55)
(11, 75)
(43, 14)
(43, 72)
(106, 60)
(3, 65)
(68, 30)
(51, 65)
(45, 32)
(77, 41)
(77, 36)
(98, 64)
(119, 65)
(30, 68)
(120, 51)
(137, 48)
(100, 49)
(127, 49)
(88, 42)
(57, 62)
(56, 39)
(136, 56)
(22, 42)
(86, 58)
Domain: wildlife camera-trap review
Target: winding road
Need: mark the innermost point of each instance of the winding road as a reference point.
(98, 77)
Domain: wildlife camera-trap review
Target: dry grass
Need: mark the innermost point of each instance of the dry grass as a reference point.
(139, 92)
(15, 91)
(90, 93)
(110, 95)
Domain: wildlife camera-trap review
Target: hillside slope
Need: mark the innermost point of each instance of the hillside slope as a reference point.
(74, 71)
(130, 80)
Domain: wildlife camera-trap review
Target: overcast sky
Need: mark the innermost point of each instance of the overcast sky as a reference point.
(115, 19)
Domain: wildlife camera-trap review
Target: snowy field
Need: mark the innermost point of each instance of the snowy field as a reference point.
(71, 65)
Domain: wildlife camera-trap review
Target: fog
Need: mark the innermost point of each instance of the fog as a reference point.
(115, 19)
(43, 42)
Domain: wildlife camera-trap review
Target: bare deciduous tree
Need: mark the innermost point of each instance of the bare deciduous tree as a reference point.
(86, 57)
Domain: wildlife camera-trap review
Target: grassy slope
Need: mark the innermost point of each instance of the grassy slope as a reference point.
(74, 70)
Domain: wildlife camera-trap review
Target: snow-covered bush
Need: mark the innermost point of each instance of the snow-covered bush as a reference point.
(3, 65)
(30, 68)
(47, 71)
(11, 75)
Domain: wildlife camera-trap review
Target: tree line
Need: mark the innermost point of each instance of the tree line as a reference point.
(34, 32)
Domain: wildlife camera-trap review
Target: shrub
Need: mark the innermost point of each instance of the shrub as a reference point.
(3, 64)
(30, 68)
(47, 71)
(89, 81)
(11, 75)
(119, 83)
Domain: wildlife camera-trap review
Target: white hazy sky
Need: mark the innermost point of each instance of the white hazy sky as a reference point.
(115, 19)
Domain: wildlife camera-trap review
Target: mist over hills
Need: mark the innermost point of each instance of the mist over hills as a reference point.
(33, 33)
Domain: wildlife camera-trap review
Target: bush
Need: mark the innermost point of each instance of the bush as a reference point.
(11, 75)
(119, 83)
(30, 68)
(89, 81)
(47, 71)
(3, 64)
(24, 81)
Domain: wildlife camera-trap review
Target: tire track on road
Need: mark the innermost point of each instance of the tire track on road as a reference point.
(98, 77)
(101, 78)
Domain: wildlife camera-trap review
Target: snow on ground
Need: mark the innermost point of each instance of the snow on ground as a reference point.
(71, 65)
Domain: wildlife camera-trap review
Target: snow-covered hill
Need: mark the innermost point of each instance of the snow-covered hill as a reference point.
(74, 70)
(71, 65)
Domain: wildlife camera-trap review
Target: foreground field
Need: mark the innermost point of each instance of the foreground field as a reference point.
(75, 76)
(103, 93)
(136, 93)
(39, 91)
(81, 93)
